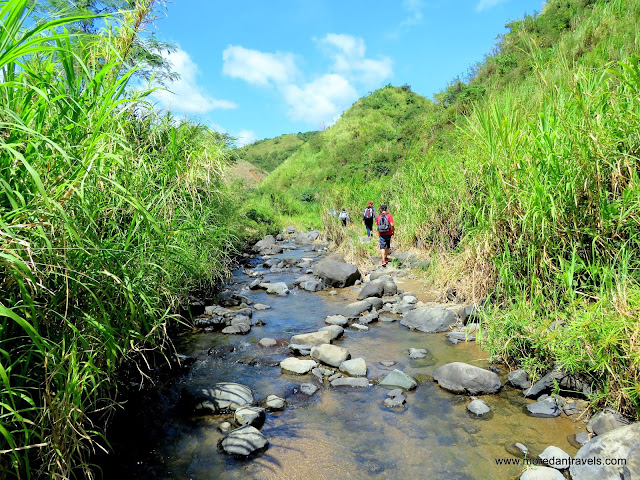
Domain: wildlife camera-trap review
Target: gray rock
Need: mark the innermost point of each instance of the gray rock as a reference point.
(214, 322)
(356, 309)
(312, 285)
(390, 288)
(523, 449)
(519, 378)
(478, 407)
(223, 397)
(308, 388)
(290, 230)
(547, 408)
(313, 338)
(224, 427)
(395, 402)
(581, 438)
(417, 353)
(387, 363)
(396, 392)
(387, 319)
(605, 421)
(267, 342)
(400, 379)
(374, 288)
(274, 403)
(541, 473)
(254, 416)
(238, 319)
(306, 238)
(429, 319)
(330, 354)
(271, 250)
(300, 350)
(355, 367)
(458, 377)
(336, 274)
(375, 302)
(555, 457)
(368, 318)
(460, 336)
(260, 307)
(297, 366)
(335, 330)
(244, 441)
(339, 320)
(357, 326)
(350, 382)
(266, 241)
(619, 445)
(333, 377)
(239, 329)
(256, 284)
(278, 288)
(409, 299)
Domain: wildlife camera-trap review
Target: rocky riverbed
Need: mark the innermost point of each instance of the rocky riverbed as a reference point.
(306, 367)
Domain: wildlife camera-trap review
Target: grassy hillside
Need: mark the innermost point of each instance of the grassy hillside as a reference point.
(521, 183)
(269, 153)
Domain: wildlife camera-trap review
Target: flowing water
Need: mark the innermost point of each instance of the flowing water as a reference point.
(336, 433)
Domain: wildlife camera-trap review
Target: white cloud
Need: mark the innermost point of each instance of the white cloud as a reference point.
(185, 94)
(245, 137)
(258, 68)
(487, 4)
(320, 101)
(348, 54)
(414, 10)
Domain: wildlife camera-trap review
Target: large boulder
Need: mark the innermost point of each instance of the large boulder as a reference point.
(297, 366)
(330, 354)
(314, 338)
(458, 377)
(621, 447)
(223, 397)
(606, 420)
(337, 274)
(356, 308)
(306, 238)
(372, 289)
(243, 442)
(429, 319)
(277, 288)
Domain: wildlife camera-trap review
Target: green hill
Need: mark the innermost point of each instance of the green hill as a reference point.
(269, 153)
(521, 183)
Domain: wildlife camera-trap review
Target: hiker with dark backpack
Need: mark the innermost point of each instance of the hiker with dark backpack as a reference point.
(344, 217)
(384, 221)
(368, 215)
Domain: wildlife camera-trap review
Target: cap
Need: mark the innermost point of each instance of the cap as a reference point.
(370, 203)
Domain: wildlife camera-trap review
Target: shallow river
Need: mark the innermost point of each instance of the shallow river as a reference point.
(336, 433)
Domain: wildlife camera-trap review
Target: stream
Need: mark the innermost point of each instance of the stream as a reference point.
(342, 432)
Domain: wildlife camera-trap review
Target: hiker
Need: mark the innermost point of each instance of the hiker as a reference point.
(344, 217)
(384, 221)
(368, 215)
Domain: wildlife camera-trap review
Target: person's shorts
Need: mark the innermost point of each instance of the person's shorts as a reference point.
(385, 241)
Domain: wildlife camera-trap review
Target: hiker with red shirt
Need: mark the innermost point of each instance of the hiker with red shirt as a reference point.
(385, 223)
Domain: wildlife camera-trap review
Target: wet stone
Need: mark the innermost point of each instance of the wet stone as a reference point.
(395, 402)
(297, 366)
(261, 306)
(274, 403)
(355, 367)
(555, 457)
(239, 329)
(244, 442)
(335, 330)
(547, 408)
(400, 379)
(478, 408)
(339, 320)
(254, 416)
(417, 353)
(519, 378)
(267, 342)
(224, 427)
(308, 388)
(357, 326)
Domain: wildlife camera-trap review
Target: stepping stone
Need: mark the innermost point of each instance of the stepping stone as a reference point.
(297, 366)
(254, 416)
(243, 442)
(399, 379)
(274, 403)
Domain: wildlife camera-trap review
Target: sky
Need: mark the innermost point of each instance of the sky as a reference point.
(258, 69)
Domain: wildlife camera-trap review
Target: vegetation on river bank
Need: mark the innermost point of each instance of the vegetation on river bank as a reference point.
(111, 214)
(522, 183)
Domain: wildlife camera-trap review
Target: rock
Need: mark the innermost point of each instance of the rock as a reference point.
(618, 446)
(547, 408)
(519, 378)
(330, 354)
(239, 329)
(278, 288)
(224, 427)
(368, 318)
(396, 392)
(335, 330)
(214, 322)
(312, 285)
(429, 319)
(605, 421)
(297, 366)
(266, 241)
(417, 353)
(459, 336)
(355, 367)
(356, 309)
(386, 363)
(478, 407)
(313, 338)
(261, 307)
(290, 230)
(522, 448)
(267, 342)
(300, 350)
(229, 299)
(357, 326)
(254, 416)
(581, 438)
(306, 238)
(340, 320)
(458, 377)
(387, 319)
(256, 284)
(568, 383)
(334, 376)
(223, 397)
(375, 302)
(243, 442)
(395, 402)
(308, 388)
(399, 379)
(555, 457)
(390, 288)
(336, 274)
(274, 403)
(350, 382)
(542, 473)
(374, 288)
(239, 319)
(409, 299)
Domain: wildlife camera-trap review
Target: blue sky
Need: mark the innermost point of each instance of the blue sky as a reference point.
(260, 68)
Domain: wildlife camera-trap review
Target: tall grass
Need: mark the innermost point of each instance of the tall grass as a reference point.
(110, 217)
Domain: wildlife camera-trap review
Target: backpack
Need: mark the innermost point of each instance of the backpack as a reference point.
(383, 223)
(368, 212)
(343, 215)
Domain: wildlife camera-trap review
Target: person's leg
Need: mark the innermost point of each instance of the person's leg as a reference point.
(368, 226)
